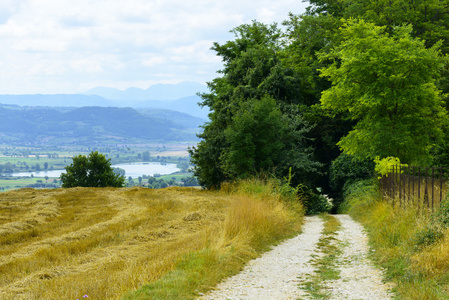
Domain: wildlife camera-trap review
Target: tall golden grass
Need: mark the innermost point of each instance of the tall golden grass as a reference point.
(105, 242)
(259, 214)
(419, 271)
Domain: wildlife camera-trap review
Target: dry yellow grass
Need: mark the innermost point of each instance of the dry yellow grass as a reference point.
(65, 243)
(433, 260)
(397, 233)
(101, 242)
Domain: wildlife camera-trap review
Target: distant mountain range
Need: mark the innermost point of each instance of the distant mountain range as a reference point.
(154, 92)
(178, 97)
(168, 112)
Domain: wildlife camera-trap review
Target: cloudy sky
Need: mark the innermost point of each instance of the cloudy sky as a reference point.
(67, 46)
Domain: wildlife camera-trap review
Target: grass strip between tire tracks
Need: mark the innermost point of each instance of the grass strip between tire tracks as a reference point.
(328, 250)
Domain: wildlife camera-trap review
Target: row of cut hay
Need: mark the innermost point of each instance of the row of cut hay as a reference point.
(105, 242)
(21, 213)
(258, 215)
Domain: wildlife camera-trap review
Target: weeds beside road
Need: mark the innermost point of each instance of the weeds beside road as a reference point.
(412, 246)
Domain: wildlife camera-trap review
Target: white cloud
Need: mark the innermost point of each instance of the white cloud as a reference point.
(58, 46)
(154, 60)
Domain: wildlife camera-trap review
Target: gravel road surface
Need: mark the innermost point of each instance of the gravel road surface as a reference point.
(278, 274)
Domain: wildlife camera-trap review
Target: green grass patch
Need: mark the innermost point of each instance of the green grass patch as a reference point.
(329, 249)
(194, 272)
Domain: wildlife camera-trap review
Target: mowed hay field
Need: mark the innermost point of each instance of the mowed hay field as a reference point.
(105, 242)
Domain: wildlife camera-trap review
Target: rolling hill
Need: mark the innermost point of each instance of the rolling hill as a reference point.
(93, 124)
(178, 97)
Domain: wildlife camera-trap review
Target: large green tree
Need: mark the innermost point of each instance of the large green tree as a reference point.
(386, 82)
(429, 20)
(92, 171)
(308, 36)
(248, 103)
(253, 139)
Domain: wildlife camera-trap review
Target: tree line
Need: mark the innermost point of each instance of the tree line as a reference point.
(326, 93)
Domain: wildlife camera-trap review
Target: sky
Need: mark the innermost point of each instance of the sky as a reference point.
(67, 46)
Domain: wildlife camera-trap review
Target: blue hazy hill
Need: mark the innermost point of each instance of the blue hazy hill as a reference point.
(155, 92)
(178, 97)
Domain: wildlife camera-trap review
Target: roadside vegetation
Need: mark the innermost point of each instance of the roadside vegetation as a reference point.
(411, 244)
(145, 243)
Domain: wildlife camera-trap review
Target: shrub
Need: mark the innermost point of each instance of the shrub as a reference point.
(313, 202)
(92, 171)
(434, 231)
(345, 170)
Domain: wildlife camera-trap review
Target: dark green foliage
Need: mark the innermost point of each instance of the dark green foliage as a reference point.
(313, 201)
(6, 168)
(206, 157)
(428, 236)
(345, 170)
(189, 181)
(441, 216)
(440, 152)
(308, 36)
(146, 156)
(255, 122)
(253, 139)
(119, 171)
(92, 171)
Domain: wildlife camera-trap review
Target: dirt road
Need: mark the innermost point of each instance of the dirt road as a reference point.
(289, 270)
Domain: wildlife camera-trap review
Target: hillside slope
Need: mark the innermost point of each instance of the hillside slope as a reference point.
(44, 125)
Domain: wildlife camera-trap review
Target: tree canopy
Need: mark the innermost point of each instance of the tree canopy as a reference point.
(355, 79)
(92, 171)
(255, 124)
(387, 83)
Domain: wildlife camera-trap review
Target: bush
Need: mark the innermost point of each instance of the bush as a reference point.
(345, 170)
(92, 171)
(313, 202)
(434, 231)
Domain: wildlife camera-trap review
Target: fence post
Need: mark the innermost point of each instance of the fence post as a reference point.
(419, 184)
(394, 184)
(426, 194)
(413, 194)
(399, 184)
(409, 178)
(441, 185)
(433, 186)
(391, 180)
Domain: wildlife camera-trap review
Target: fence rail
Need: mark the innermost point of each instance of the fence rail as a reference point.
(415, 185)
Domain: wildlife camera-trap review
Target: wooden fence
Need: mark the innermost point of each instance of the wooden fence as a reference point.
(415, 186)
